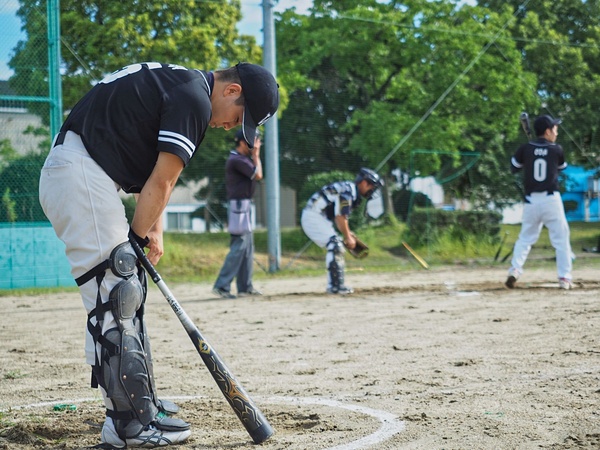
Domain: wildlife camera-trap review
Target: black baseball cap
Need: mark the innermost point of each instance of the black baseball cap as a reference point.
(542, 123)
(261, 96)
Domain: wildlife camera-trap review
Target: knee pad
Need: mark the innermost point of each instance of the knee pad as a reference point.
(335, 245)
(335, 252)
(335, 261)
(123, 260)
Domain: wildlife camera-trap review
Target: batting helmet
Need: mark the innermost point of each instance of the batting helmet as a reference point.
(372, 177)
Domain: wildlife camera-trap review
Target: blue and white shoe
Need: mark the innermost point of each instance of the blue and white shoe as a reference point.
(150, 437)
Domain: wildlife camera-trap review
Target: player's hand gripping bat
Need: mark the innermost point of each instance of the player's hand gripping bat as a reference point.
(360, 250)
(256, 424)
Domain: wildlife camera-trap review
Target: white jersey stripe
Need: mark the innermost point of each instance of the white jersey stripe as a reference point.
(176, 138)
(516, 163)
(175, 141)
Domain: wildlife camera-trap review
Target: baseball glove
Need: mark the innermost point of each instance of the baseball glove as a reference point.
(361, 250)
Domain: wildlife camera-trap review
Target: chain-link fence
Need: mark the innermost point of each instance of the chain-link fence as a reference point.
(30, 253)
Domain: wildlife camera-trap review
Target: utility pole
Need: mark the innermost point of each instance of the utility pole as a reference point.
(54, 81)
(272, 147)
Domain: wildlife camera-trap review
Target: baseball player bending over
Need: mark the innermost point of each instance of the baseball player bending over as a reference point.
(333, 204)
(541, 161)
(135, 130)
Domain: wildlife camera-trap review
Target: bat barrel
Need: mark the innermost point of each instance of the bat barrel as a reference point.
(251, 417)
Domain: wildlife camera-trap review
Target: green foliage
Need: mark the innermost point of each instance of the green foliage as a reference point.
(99, 37)
(129, 204)
(367, 81)
(405, 201)
(7, 207)
(559, 43)
(14, 375)
(20, 181)
(7, 153)
(316, 181)
(428, 225)
(361, 74)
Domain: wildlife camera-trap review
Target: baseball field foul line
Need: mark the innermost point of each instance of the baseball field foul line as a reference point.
(390, 425)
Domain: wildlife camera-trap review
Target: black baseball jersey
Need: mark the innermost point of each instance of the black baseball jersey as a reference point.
(240, 173)
(541, 162)
(134, 113)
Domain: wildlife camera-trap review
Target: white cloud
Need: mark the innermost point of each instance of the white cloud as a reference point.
(9, 6)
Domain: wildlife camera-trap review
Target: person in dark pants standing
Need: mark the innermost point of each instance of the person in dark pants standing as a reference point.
(242, 170)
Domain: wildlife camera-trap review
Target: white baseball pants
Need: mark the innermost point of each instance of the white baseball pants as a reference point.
(544, 210)
(87, 214)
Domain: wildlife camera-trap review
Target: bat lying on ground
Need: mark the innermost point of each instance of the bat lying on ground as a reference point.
(360, 250)
(415, 255)
(256, 424)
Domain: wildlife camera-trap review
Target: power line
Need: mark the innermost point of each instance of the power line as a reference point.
(465, 33)
(450, 88)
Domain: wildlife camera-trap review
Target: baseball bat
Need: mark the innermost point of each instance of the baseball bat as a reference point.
(507, 255)
(524, 118)
(417, 257)
(501, 245)
(252, 418)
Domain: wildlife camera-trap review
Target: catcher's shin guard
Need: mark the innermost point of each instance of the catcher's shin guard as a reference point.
(122, 368)
(335, 263)
(123, 363)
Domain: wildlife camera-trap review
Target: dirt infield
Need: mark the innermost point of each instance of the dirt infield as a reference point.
(439, 359)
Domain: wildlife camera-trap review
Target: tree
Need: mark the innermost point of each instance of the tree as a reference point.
(100, 36)
(20, 187)
(363, 74)
(559, 42)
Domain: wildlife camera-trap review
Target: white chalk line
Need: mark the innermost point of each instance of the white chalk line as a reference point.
(390, 425)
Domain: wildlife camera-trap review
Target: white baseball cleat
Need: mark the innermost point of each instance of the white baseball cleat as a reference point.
(565, 283)
(149, 437)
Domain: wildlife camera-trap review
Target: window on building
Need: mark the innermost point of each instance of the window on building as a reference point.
(179, 221)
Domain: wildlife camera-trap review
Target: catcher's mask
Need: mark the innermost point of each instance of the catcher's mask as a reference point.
(372, 177)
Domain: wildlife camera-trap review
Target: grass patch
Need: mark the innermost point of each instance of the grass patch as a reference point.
(13, 375)
(194, 258)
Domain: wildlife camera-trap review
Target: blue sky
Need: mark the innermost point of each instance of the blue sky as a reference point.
(10, 25)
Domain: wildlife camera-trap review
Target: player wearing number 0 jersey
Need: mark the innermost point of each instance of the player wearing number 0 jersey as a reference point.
(541, 162)
(135, 131)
